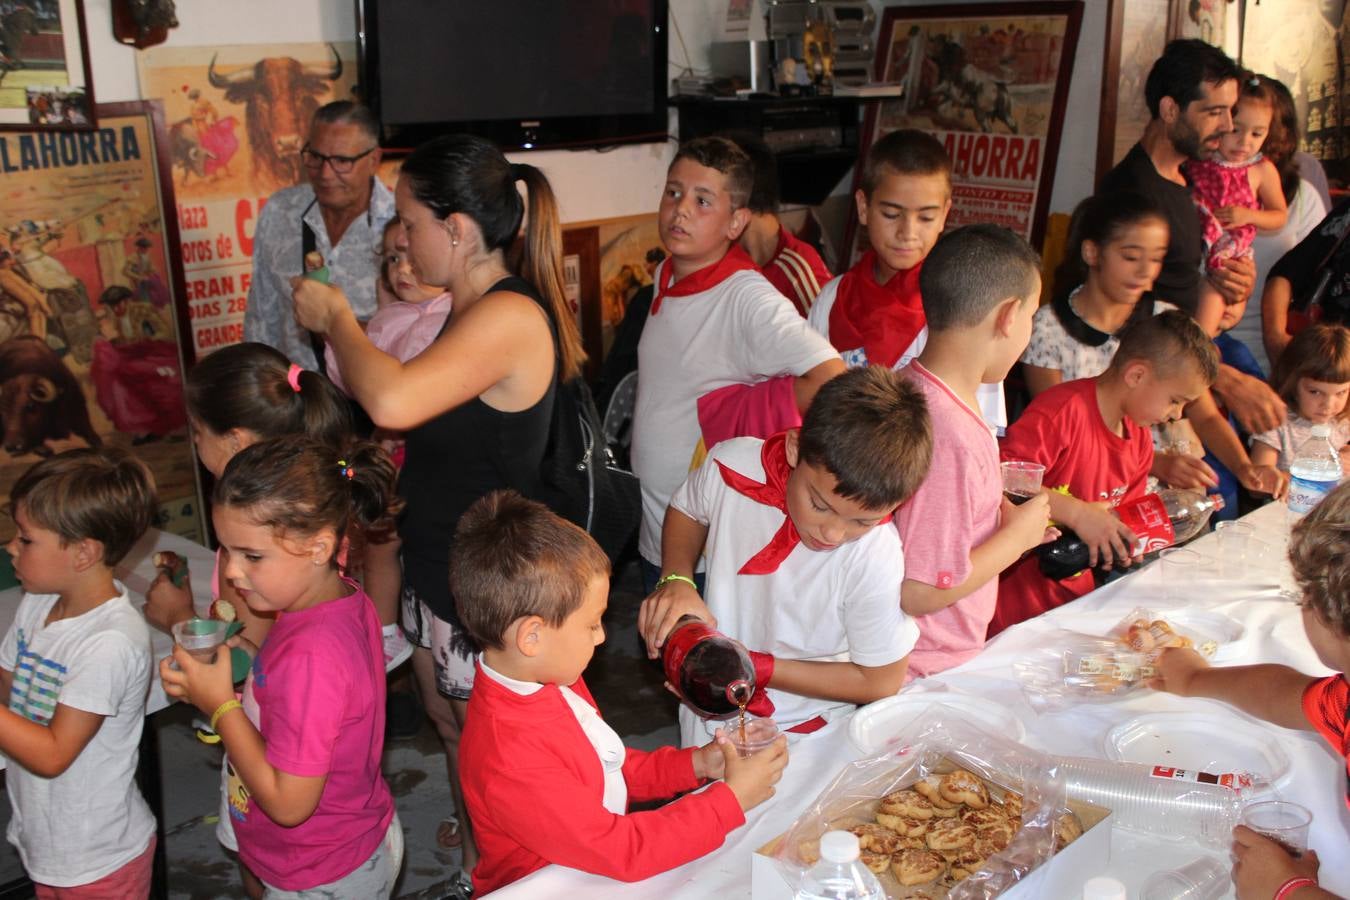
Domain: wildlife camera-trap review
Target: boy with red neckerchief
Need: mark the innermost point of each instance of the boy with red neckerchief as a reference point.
(873, 313)
(797, 568)
(715, 322)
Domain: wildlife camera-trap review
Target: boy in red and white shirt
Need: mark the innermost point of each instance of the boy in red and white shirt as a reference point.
(1092, 435)
(1318, 550)
(546, 781)
(980, 285)
(714, 322)
(798, 570)
(873, 313)
(791, 264)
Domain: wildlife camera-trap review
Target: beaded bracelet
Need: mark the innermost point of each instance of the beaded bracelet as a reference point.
(1293, 884)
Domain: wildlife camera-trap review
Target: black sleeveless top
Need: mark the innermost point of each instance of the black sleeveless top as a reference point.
(457, 457)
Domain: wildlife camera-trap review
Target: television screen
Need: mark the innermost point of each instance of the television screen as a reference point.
(522, 72)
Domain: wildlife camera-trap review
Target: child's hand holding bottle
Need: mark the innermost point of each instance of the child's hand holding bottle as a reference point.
(674, 598)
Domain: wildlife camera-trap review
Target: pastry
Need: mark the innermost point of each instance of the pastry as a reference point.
(979, 818)
(950, 834)
(1067, 830)
(877, 838)
(964, 787)
(904, 825)
(929, 788)
(999, 834)
(1012, 807)
(877, 862)
(917, 867)
(910, 804)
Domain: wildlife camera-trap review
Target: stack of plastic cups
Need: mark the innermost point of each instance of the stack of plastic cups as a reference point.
(1202, 879)
(1154, 805)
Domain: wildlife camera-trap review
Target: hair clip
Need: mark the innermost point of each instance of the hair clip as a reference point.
(345, 470)
(293, 377)
(1254, 81)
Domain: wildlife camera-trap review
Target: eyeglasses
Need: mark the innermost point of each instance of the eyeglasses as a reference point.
(341, 164)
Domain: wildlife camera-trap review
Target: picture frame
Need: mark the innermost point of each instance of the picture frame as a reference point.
(92, 297)
(991, 81)
(45, 77)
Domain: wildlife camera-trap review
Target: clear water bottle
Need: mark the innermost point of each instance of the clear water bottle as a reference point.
(839, 875)
(1315, 471)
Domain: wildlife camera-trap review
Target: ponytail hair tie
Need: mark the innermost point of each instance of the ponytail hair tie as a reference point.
(293, 377)
(345, 470)
(517, 171)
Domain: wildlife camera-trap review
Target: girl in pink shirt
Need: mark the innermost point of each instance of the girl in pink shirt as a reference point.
(310, 809)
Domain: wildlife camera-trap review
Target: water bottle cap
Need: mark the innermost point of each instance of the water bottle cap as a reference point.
(1321, 430)
(1103, 888)
(839, 847)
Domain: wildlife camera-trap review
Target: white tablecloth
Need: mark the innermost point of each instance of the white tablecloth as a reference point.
(1274, 633)
(136, 571)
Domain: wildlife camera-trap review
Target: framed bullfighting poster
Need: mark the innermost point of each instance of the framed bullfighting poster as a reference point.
(90, 314)
(990, 81)
(238, 117)
(44, 66)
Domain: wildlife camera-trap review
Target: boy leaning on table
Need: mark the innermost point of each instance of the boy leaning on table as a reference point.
(546, 781)
(798, 570)
(1318, 550)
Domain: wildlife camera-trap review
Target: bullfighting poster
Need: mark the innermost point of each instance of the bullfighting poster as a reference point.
(990, 81)
(90, 350)
(238, 117)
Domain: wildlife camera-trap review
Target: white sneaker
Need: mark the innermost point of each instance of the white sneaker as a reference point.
(397, 650)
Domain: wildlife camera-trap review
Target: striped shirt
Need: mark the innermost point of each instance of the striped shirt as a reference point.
(797, 270)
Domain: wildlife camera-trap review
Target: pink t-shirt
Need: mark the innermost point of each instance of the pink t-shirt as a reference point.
(316, 694)
(954, 511)
(400, 329)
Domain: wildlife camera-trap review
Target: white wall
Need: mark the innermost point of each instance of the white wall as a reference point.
(590, 184)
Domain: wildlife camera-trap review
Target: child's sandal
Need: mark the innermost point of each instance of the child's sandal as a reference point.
(448, 835)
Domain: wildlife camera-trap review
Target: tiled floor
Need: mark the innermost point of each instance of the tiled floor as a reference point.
(626, 685)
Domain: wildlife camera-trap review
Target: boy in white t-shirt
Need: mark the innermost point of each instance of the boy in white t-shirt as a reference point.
(715, 321)
(797, 569)
(76, 667)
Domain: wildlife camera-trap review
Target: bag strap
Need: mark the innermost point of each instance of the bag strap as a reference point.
(309, 242)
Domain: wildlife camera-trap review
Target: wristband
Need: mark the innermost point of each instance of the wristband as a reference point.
(673, 577)
(222, 709)
(1293, 884)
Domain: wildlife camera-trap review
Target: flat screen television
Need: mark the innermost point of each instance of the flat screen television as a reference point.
(525, 74)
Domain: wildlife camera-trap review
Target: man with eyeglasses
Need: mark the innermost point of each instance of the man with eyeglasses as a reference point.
(340, 214)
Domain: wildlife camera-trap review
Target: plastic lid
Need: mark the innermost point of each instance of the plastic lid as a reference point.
(1321, 430)
(1103, 888)
(839, 847)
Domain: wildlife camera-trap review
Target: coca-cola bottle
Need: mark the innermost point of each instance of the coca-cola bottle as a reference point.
(1171, 516)
(712, 673)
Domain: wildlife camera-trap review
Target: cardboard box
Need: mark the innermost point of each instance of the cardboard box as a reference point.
(1063, 875)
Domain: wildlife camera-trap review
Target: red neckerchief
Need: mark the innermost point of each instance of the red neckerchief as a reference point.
(707, 277)
(773, 492)
(883, 319)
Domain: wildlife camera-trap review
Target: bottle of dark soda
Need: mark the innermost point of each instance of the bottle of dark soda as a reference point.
(712, 673)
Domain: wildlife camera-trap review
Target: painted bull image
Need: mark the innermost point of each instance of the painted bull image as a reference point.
(40, 400)
(280, 96)
(962, 86)
(186, 151)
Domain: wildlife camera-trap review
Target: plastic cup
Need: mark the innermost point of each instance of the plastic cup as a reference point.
(1234, 539)
(757, 734)
(200, 637)
(1021, 479)
(1285, 823)
(1179, 569)
(1202, 879)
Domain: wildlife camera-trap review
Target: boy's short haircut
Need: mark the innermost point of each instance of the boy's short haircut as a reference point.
(1184, 66)
(869, 428)
(1166, 342)
(105, 495)
(1319, 548)
(972, 270)
(514, 558)
(764, 189)
(724, 156)
(906, 152)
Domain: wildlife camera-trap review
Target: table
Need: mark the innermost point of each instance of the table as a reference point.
(136, 571)
(1274, 634)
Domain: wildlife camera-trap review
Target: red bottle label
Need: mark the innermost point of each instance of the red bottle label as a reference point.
(1147, 518)
(678, 644)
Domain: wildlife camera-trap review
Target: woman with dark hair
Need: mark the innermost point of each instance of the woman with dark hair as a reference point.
(1306, 209)
(476, 404)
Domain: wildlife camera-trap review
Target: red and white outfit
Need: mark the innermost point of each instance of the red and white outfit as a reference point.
(955, 510)
(538, 792)
(836, 605)
(884, 325)
(797, 270)
(1063, 430)
(1326, 703)
(724, 324)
